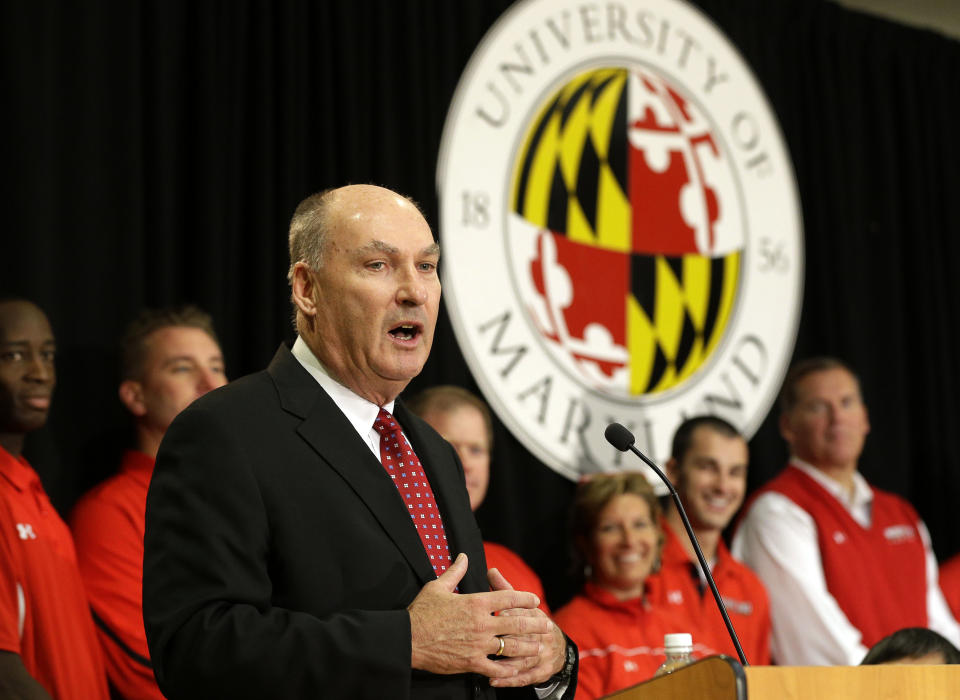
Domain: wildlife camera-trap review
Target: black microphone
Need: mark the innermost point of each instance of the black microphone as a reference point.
(623, 440)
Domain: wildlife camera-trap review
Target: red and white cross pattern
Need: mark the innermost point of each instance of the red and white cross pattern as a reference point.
(403, 466)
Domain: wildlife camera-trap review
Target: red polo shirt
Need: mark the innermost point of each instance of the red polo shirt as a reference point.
(108, 525)
(620, 641)
(515, 570)
(676, 587)
(44, 616)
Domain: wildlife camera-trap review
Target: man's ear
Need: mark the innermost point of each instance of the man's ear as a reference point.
(672, 469)
(303, 289)
(786, 431)
(131, 396)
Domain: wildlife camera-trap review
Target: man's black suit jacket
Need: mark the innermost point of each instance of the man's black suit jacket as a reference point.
(279, 557)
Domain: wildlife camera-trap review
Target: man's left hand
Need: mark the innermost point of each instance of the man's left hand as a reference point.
(553, 645)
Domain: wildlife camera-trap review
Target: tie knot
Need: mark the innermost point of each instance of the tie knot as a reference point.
(385, 424)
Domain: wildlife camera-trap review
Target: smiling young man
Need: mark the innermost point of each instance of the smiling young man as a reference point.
(845, 563)
(169, 358)
(708, 467)
(303, 527)
(48, 647)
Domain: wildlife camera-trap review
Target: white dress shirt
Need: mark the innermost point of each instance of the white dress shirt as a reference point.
(778, 540)
(360, 412)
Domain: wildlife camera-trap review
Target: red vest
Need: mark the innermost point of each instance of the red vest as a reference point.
(877, 575)
(950, 584)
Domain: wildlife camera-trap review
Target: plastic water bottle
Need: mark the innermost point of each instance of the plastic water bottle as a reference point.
(679, 650)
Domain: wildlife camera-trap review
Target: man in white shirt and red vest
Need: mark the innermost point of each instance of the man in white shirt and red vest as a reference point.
(845, 564)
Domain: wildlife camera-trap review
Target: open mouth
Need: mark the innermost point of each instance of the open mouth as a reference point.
(405, 331)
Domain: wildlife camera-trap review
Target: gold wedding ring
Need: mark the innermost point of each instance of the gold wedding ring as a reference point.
(500, 650)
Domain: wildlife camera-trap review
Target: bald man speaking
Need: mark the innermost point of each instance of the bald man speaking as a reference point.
(307, 536)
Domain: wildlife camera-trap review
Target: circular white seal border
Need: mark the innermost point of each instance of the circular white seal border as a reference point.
(532, 50)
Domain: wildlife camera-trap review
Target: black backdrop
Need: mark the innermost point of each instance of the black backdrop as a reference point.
(155, 150)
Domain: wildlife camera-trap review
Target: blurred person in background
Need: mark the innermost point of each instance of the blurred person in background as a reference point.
(169, 358)
(618, 540)
(912, 645)
(48, 647)
(844, 563)
(708, 467)
(463, 420)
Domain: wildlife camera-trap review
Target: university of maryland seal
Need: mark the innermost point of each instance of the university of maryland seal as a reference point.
(620, 228)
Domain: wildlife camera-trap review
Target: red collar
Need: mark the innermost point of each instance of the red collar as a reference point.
(138, 466)
(18, 472)
(603, 597)
(675, 553)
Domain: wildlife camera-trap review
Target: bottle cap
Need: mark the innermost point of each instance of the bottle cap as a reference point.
(678, 639)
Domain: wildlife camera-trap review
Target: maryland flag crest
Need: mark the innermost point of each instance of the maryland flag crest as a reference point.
(620, 228)
(636, 269)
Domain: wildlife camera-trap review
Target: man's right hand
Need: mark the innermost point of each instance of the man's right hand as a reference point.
(454, 633)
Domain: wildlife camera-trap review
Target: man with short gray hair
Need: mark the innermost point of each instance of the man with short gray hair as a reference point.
(169, 357)
(306, 535)
(844, 563)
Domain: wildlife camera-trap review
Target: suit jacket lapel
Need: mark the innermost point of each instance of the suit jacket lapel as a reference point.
(332, 436)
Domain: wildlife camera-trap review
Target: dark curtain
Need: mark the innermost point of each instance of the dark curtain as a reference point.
(155, 150)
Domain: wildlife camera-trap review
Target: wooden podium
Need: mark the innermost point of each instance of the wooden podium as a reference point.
(722, 678)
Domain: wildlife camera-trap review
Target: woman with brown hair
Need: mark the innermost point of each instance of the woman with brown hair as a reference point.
(616, 532)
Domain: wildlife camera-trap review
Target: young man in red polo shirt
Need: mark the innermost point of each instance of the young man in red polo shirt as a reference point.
(708, 467)
(48, 648)
(169, 357)
(845, 563)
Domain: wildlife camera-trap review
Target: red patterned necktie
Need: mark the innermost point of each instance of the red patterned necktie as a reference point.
(403, 466)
